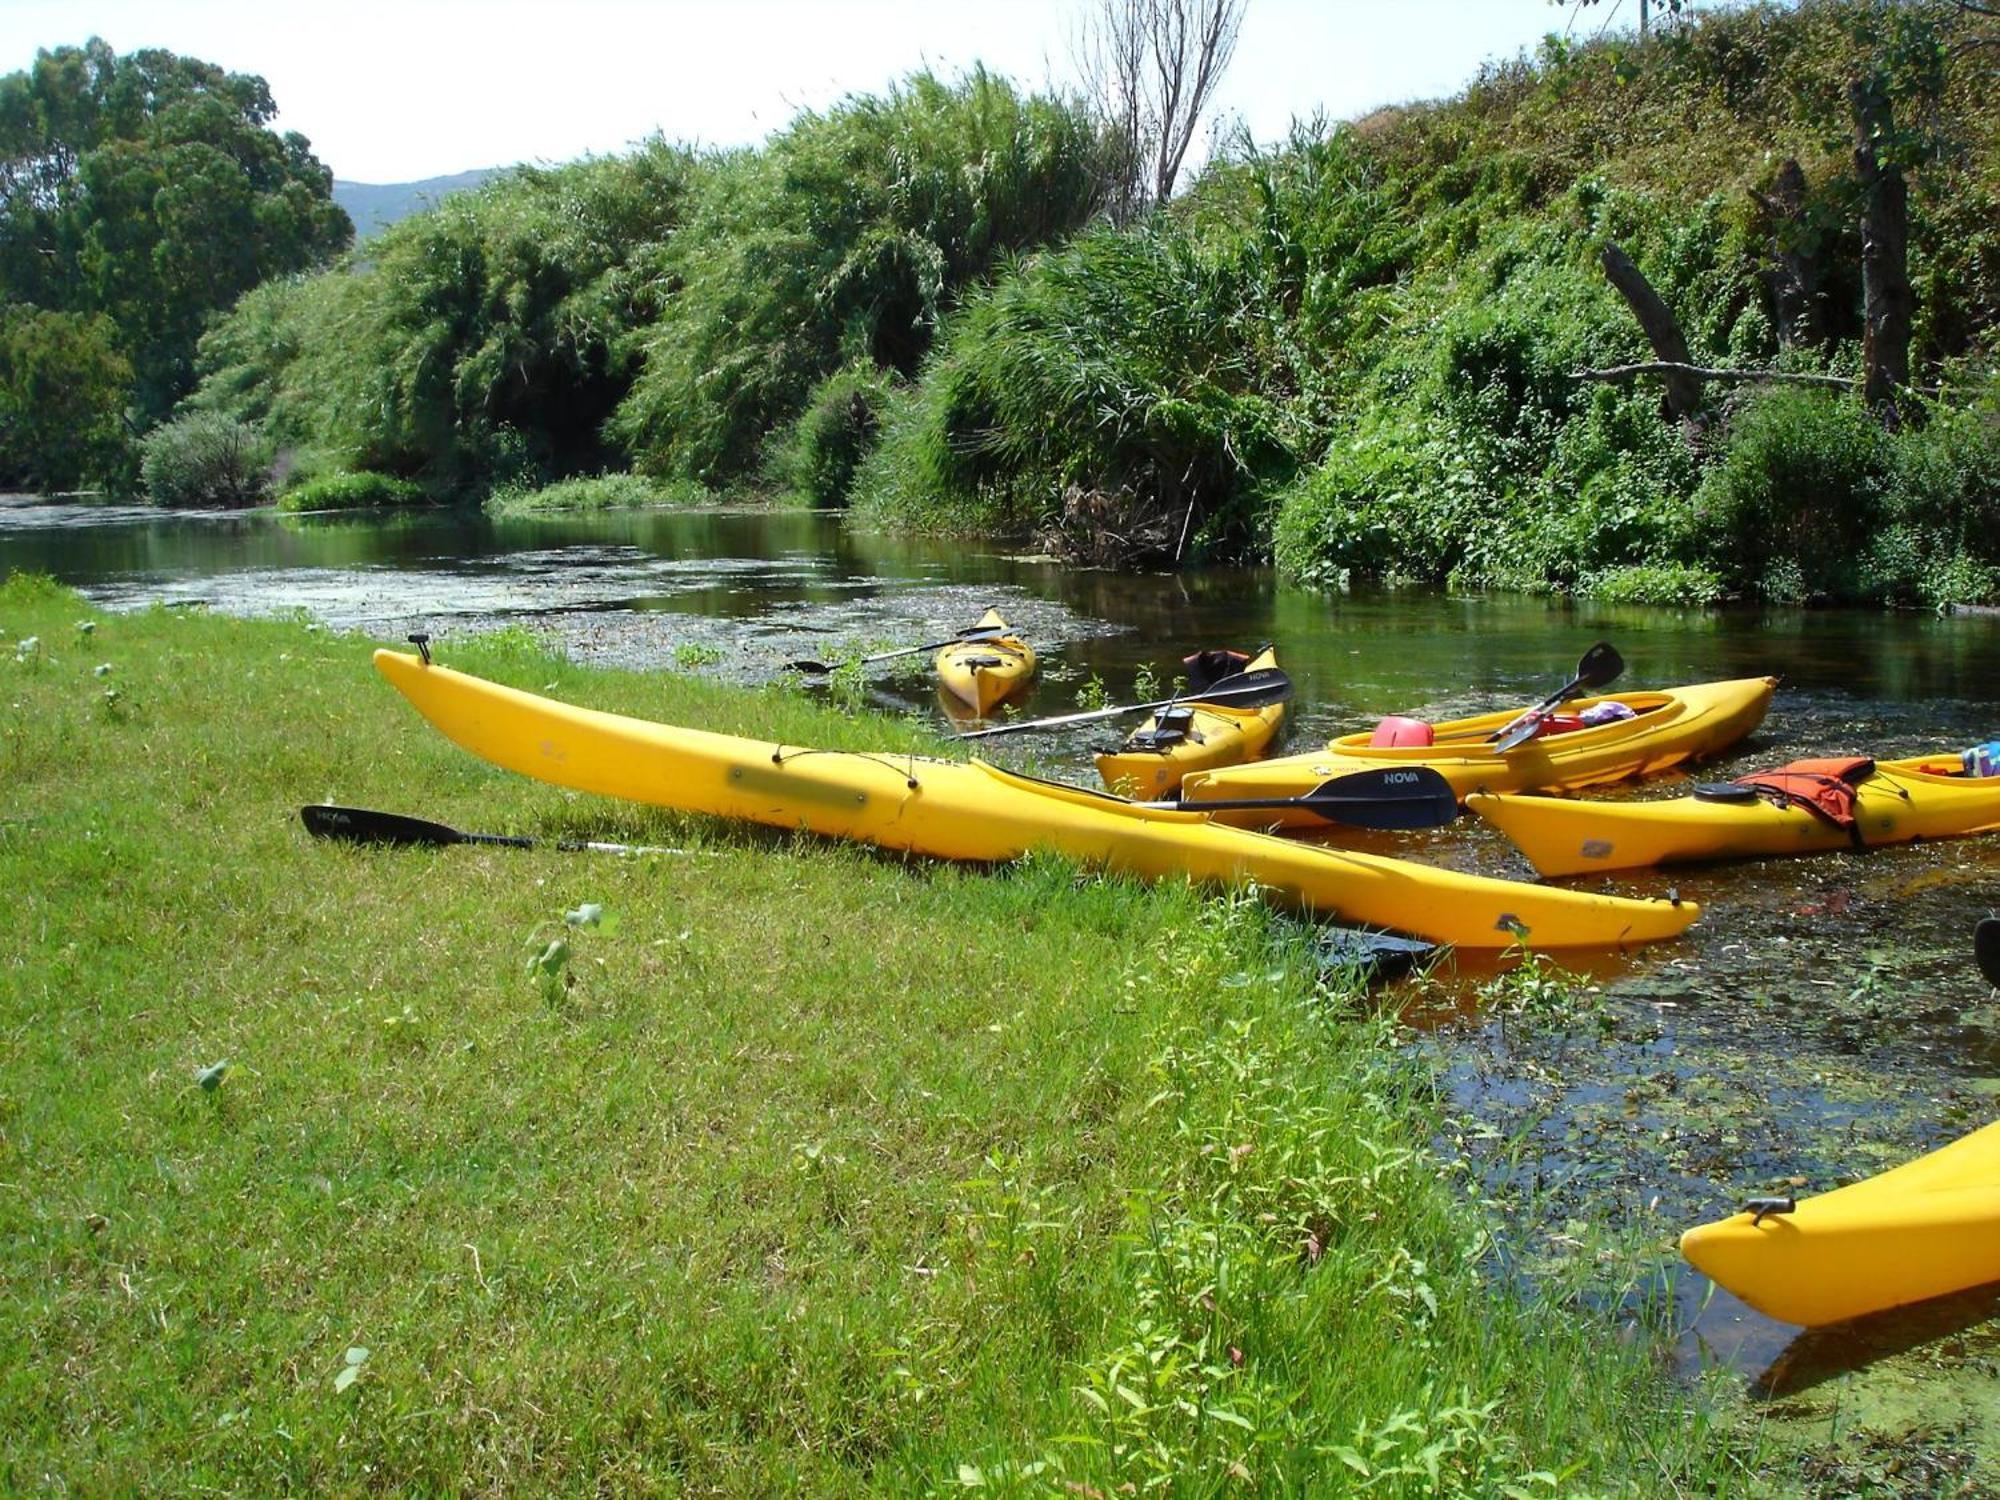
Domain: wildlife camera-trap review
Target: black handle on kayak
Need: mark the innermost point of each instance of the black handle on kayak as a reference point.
(1760, 1209)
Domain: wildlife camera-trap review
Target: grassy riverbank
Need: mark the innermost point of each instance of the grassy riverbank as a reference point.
(814, 1169)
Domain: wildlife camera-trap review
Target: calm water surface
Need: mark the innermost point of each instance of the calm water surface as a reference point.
(1823, 1020)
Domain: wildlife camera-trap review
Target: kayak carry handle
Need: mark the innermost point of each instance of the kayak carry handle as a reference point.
(1760, 1209)
(422, 641)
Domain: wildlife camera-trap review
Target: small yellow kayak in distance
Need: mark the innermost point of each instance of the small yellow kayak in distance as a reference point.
(980, 812)
(1928, 797)
(1929, 1227)
(984, 674)
(1666, 729)
(1194, 736)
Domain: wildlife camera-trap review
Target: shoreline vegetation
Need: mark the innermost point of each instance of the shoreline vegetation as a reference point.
(329, 1163)
(1412, 347)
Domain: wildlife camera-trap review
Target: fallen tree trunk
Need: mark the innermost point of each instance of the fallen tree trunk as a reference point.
(1662, 329)
(1680, 370)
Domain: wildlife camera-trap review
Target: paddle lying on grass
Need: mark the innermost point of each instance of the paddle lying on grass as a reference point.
(1258, 689)
(1395, 797)
(1599, 668)
(1986, 948)
(362, 825)
(964, 637)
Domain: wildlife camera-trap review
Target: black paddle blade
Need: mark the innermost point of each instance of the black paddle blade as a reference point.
(1601, 666)
(1986, 949)
(361, 825)
(1395, 798)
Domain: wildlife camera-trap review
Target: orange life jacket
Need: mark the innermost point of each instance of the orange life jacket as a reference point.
(1824, 788)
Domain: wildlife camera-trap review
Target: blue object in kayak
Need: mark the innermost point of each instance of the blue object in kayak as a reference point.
(1983, 760)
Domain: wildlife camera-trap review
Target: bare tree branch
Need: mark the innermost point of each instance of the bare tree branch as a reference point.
(1676, 370)
(1151, 68)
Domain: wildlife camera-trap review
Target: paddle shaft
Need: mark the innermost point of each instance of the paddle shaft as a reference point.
(1986, 948)
(363, 825)
(964, 637)
(1265, 686)
(1599, 668)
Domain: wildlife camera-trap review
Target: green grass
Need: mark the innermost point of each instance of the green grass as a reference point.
(598, 492)
(357, 491)
(815, 1170)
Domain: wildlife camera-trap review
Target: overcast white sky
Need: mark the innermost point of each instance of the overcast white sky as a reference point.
(394, 90)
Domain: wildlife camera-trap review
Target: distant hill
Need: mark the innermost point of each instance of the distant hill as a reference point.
(374, 206)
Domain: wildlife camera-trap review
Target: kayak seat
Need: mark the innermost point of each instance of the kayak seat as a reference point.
(1168, 730)
(1396, 732)
(1561, 724)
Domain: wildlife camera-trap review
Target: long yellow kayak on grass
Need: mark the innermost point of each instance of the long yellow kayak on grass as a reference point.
(980, 812)
(1929, 797)
(1928, 1227)
(1667, 728)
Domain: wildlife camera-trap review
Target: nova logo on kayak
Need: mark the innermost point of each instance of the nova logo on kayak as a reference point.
(1399, 778)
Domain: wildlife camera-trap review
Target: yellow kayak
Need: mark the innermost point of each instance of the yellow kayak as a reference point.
(1929, 797)
(1199, 737)
(980, 812)
(984, 674)
(1666, 728)
(1929, 1227)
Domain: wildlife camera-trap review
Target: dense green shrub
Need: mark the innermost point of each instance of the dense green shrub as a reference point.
(1939, 538)
(846, 239)
(1657, 583)
(596, 492)
(206, 459)
(1792, 506)
(484, 342)
(351, 492)
(816, 458)
(1110, 365)
(63, 385)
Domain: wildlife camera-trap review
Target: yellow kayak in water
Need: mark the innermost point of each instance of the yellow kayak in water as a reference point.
(980, 812)
(1928, 797)
(1929, 1227)
(984, 674)
(1665, 729)
(1192, 736)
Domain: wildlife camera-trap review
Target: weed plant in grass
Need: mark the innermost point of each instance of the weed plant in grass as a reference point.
(814, 1170)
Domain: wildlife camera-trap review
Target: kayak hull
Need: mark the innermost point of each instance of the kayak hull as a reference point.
(980, 812)
(1217, 735)
(1920, 798)
(1670, 728)
(1927, 1228)
(984, 674)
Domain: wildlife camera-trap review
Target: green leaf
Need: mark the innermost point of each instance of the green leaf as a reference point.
(210, 1077)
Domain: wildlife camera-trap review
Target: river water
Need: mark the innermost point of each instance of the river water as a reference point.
(1823, 1021)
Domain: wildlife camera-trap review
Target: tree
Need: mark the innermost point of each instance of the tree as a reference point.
(62, 387)
(150, 190)
(1151, 68)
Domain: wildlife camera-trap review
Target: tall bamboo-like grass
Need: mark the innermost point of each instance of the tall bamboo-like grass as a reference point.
(845, 241)
(791, 1166)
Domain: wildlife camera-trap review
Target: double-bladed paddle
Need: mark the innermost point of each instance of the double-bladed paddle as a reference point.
(362, 825)
(1986, 949)
(1395, 797)
(1258, 689)
(1599, 668)
(975, 633)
